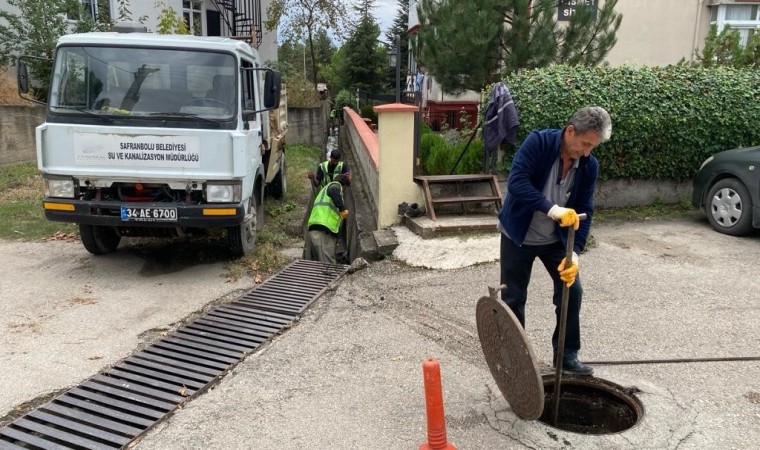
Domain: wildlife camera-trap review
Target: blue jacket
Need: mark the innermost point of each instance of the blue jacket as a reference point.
(530, 169)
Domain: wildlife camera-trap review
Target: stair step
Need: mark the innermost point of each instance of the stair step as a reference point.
(477, 199)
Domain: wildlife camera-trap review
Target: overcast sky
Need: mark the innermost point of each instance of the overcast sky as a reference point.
(385, 12)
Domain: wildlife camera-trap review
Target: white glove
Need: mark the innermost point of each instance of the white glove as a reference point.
(565, 216)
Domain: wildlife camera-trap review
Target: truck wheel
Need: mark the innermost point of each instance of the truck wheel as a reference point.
(99, 240)
(242, 238)
(279, 185)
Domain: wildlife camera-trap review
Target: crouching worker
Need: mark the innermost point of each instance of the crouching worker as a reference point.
(324, 221)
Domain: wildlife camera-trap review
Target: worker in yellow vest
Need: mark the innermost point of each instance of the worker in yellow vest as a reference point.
(328, 170)
(324, 221)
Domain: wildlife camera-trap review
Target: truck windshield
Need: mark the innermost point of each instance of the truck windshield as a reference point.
(142, 82)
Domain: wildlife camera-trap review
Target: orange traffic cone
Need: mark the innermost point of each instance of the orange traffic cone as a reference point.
(436, 422)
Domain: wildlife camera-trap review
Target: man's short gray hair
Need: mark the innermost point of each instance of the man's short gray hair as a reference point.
(593, 118)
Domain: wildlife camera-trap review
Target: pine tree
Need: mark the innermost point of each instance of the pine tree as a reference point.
(364, 57)
(465, 45)
(459, 41)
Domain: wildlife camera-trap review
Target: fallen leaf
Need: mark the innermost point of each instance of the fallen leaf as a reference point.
(93, 358)
(183, 391)
(257, 279)
(753, 397)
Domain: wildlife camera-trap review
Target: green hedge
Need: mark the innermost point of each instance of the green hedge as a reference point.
(665, 120)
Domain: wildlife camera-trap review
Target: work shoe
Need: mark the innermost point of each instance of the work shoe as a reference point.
(414, 211)
(403, 208)
(573, 365)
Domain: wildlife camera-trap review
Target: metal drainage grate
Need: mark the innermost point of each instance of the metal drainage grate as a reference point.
(115, 407)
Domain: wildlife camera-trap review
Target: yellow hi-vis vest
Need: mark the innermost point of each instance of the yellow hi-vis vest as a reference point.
(324, 212)
(327, 178)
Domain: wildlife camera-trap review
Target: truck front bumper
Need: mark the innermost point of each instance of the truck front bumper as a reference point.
(108, 213)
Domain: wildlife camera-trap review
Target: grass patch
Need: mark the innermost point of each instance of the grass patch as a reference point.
(21, 215)
(655, 211)
(17, 176)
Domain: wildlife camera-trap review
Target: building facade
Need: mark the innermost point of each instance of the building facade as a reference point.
(666, 31)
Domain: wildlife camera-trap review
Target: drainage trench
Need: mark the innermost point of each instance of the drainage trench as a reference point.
(118, 405)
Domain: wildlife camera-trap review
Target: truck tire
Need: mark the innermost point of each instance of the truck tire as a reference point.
(242, 238)
(99, 240)
(279, 185)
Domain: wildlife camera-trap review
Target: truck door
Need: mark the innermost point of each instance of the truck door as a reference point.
(252, 122)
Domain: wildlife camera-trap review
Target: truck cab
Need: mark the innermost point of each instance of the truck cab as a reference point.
(158, 135)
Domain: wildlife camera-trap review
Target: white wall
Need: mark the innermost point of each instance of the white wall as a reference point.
(659, 32)
(267, 49)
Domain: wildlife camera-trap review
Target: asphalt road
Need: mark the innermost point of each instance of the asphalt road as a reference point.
(348, 375)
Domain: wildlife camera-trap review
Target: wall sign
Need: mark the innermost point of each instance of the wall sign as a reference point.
(566, 8)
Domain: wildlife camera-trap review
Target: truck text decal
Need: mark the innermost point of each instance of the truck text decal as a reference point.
(92, 149)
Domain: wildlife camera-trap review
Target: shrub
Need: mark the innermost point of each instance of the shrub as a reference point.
(441, 156)
(427, 142)
(439, 160)
(345, 98)
(8, 90)
(301, 93)
(665, 120)
(368, 111)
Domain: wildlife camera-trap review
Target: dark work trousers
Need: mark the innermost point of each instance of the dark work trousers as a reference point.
(516, 266)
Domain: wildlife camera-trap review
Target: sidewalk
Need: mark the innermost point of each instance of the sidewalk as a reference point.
(349, 376)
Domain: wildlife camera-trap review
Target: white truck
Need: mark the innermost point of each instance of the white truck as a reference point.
(161, 136)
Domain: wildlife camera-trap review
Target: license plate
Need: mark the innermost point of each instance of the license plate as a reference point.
(148, 214)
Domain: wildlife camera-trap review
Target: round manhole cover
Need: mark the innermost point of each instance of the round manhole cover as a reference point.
(510, 358)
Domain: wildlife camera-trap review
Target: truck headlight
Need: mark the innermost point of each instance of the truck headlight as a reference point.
(61, 187)
(223, 193)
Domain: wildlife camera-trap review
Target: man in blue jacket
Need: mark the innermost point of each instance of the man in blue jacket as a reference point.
(552, 180)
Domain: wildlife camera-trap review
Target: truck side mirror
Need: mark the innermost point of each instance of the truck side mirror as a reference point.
(23, 77)
(272, 86)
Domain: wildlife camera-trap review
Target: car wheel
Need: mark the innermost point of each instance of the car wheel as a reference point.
(99, 240)
(729, 207)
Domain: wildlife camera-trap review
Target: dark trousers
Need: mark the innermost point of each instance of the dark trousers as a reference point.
(516, 266)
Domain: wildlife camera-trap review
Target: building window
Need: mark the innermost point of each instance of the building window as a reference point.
(192, 12)
(93, 8)
(743, 18)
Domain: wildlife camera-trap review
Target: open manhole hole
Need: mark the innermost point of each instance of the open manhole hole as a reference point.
(591, 405)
